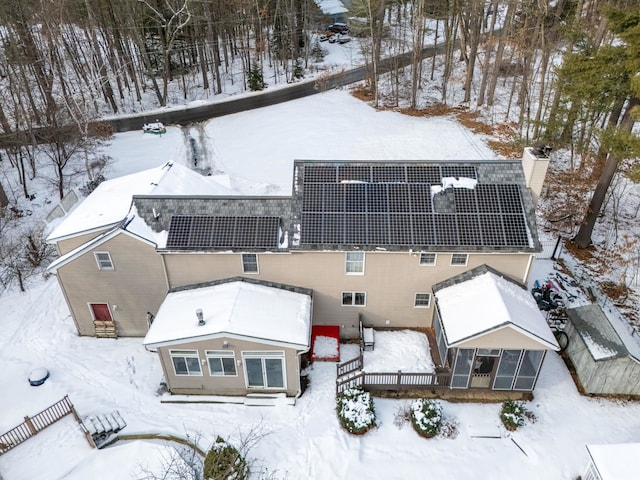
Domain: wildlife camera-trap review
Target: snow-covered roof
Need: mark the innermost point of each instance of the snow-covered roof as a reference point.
(481, 301)
(600, 336)
(331, 7)
(110, 202)
(619, 461)
(234, 309)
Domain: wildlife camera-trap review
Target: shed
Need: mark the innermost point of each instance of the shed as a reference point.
(604, 352)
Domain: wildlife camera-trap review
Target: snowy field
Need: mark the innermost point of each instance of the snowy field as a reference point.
(256, 150)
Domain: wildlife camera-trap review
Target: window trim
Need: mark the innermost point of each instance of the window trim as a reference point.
(262, 356)
(348, 262)
(244, 264)
(186, 354)
(353, 299)
(432, 264)
(466, 259)
(220, 354)
(415, 300)
(111, 266)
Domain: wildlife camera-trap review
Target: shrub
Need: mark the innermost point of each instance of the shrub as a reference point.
(355, 411)
(513, 414)
(426, 417)
(224, 462)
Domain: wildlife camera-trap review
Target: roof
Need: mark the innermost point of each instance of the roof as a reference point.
(240, 308)
(434, 205)
(619, 461)
(331, 7)
(215, 222)
(110, 202)
(600, 336)
(482, 300)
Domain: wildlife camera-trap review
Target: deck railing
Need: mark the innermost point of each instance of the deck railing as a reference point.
(350, 366)
(32, 425)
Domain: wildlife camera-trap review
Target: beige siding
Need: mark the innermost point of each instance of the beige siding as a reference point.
(206, 384)
(391, 281)
(65, 246)
(137, 285)
(506, 338)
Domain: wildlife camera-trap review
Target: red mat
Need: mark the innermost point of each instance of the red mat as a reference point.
(331, 331)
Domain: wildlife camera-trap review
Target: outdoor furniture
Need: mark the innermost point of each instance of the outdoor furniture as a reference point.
(367, 337)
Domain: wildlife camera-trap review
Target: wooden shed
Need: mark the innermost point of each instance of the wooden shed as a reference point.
(604, 352)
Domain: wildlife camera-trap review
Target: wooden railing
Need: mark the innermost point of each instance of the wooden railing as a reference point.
(349, 366)
(406, 381)
(32, 425)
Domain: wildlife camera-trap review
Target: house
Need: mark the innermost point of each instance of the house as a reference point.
(365, 240)
(604, 352)
(613, 462)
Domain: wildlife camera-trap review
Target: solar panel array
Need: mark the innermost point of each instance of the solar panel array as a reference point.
(190, 232)
(379, 205)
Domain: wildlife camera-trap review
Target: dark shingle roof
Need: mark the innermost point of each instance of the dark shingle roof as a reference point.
(403, 205)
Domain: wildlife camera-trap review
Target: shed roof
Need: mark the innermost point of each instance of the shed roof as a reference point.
(480, 301)
(599, 335)
(240, 308)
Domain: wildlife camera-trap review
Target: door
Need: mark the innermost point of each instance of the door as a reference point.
(265, 372)
(100, 311)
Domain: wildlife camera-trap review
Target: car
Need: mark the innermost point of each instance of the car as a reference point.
(343, 38)
(338, 28)
(323, 38)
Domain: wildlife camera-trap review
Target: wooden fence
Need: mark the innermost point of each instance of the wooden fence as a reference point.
(32, 425)
(350, 366)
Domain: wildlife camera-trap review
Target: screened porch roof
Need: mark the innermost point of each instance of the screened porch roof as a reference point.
(483, 309)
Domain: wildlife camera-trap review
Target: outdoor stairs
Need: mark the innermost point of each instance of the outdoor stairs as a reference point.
(103, 426)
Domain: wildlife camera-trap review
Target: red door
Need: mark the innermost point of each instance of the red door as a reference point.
(101, 311)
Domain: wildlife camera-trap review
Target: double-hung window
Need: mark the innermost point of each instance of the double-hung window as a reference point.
(354, 299)
(221, 363)
(427, 258)
(185, 362)
(103, 259)
(422, 300)
(249, 263)
(459, 259)
(354, 263)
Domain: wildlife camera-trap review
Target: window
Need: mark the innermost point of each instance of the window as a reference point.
(264, 369)
(221, 363)
(427, 258)
(185, 362)
(507, 368)
(459, 259)
(354, 299)
(103, 259)
(422, 300)
(354, 262)
(249, 263)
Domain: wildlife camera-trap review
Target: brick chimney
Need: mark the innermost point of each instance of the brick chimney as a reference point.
(535, 161)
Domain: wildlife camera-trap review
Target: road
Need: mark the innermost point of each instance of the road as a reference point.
(257, 100)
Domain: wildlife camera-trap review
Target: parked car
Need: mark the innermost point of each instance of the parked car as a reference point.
(338, 28)
(343, 38)
(323, 38)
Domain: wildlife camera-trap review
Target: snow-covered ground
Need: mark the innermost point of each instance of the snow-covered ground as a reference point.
(256, 150)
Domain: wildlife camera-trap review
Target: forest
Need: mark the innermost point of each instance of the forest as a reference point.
(565, 72)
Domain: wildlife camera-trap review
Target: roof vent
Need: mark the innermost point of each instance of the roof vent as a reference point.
(200, 317)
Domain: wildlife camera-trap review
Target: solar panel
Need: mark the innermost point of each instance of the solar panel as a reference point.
(189, 232)
(393, 204)
(466, 171)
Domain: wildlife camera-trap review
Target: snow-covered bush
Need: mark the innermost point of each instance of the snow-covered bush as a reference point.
(224, 462)
(426, 417)
(513, 414)
(355, 411)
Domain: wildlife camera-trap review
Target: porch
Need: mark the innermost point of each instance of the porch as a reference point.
(407, 364)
